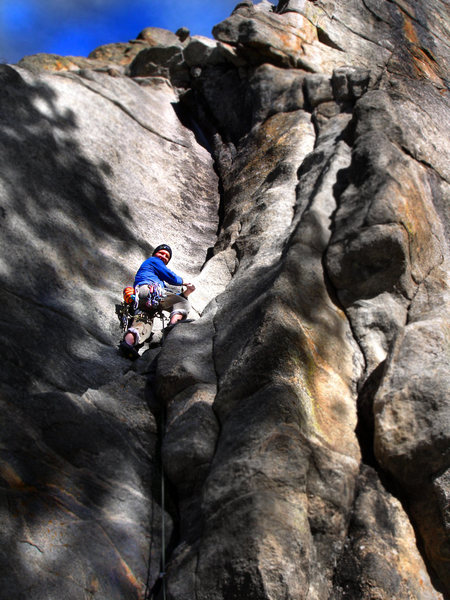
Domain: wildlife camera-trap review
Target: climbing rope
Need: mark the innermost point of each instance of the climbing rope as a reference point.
(126, 312)
(162, 574)
(158, 590)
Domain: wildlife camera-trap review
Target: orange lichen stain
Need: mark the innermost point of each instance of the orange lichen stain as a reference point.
(66, 501)
(129, 575)
(122, 570)
(291, 43)
(324, 392)
(416, 218)
(410, 32)
(300, 27)
(269, 145)
(93, 586)
(309, 32)
(13, 479)
(424, 64)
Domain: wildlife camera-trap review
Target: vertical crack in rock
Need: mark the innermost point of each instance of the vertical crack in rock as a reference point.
(239, 228)
(238, 292)
(363, 287)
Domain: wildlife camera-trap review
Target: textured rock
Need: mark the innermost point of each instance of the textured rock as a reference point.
(162, 61)
(124, 53)
(121, 53)
(199, 51)
(271, 427)
(155, 36)
(274, 90)
(77, 468)
(67, 174)
(53, 62)
(263, 36)
(297, 165)
(377, 551)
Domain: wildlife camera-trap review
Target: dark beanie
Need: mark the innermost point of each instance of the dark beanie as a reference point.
(163, 247)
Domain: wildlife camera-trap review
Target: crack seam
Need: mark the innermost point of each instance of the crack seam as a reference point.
(122, 107)
(423, 162)
(375, 15)
(31, 544)
(360, 35)
(414, 18)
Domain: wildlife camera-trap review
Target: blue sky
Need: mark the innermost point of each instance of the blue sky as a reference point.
(76, 27)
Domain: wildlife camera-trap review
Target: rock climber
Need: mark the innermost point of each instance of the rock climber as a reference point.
(150, 294)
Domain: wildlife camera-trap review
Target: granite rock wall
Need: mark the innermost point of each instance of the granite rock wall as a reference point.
(300, 424)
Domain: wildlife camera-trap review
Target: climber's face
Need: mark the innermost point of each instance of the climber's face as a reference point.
(163, 255)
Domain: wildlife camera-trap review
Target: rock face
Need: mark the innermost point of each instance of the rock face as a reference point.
(293, 440)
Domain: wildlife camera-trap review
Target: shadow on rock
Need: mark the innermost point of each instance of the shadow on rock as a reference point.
(74, 480)
(57, 219)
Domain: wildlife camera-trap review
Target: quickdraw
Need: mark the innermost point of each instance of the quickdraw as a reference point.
(125, 313)
(155, 293)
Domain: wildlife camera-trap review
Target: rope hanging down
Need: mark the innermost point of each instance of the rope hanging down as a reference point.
(151, 594)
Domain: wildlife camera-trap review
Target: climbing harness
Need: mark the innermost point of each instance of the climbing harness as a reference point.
(128, 309)
(125, 313)
(155, 293)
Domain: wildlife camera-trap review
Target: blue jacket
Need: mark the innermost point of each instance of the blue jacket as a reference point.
(154, 270)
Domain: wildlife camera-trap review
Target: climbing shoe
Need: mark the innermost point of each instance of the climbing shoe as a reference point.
(172, 325)
(128, 350)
